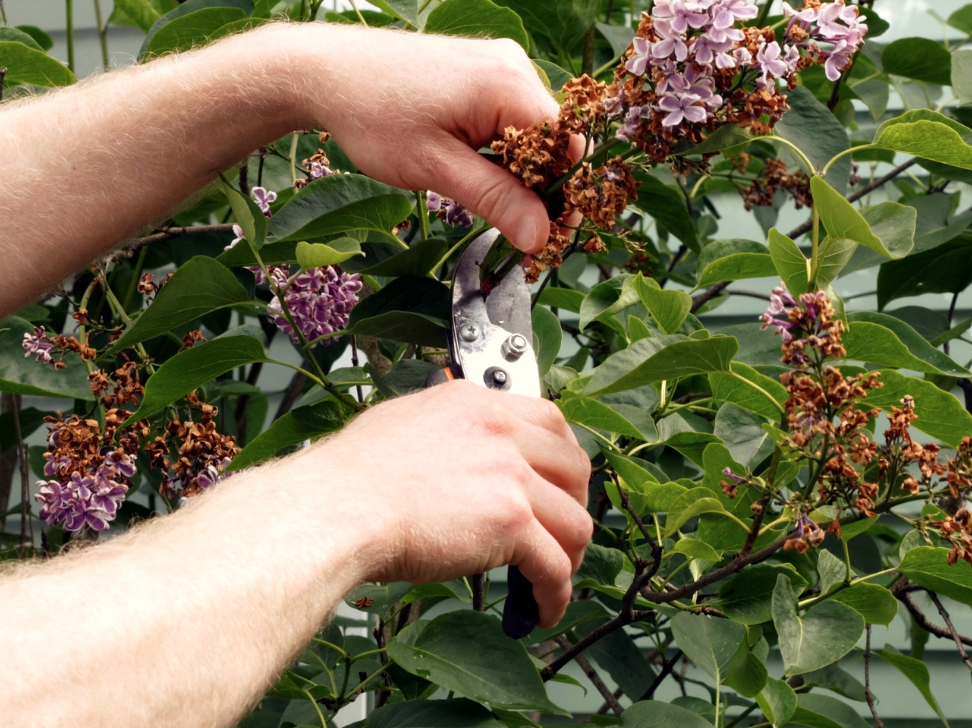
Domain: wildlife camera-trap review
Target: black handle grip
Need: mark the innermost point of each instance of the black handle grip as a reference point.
(521, 612)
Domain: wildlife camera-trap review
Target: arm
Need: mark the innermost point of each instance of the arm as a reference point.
(187, 620)
(86, 167)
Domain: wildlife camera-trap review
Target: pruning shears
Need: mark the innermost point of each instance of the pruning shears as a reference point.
(491, 344)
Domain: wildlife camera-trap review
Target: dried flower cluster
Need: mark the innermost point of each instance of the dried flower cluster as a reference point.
(202, 453)
(688, 72)
(773, 178)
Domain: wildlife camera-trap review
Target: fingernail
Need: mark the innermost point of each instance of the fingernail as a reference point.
(526, 234)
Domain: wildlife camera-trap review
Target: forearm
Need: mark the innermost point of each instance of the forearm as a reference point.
(193, 616)
(86, 167)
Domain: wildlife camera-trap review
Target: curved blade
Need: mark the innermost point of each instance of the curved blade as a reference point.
(482, 324)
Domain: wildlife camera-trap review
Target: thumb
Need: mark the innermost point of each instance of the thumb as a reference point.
(494, 194)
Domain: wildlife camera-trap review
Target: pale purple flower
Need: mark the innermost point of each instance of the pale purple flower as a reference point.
(727, 473)
(614, 105)
(316, 170)
(768, 61)
(38, 345)
(838, 59)
(458, 216)
(792, 58)
(638, 63)
(731, 11)
(263, 199)
(433, 201)
(85, 500)
(743, 57)
(672, 44)
(319, 301)
(238, 232)
(806, 15)
(631, 122)
(827, 20)
(681, 109)
(681, 14)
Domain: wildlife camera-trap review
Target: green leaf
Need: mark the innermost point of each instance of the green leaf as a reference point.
(410, 309)
(654, 714)
(932, 140)
(337, 204)
(896, 226)
(556, 75)
(189, 31)
(667, 207)
(564, 298)
(8, 33)
(467, 652)
(690, 504)
(834, 257)
(668, 308)
(791, 265)
(293, 428)
(737, 267)
(777, 701)
(592, 413)
(187, 8)
(547, 338)
(944, 269)
(606, 299)
(618, 37)
(25, 375)
(962, 75)
(319, 255)
(747, 597)
(477, 18)
(29, 65)
(812, 127)
(456, 713)
(695, 549)
(940, 414)
(710, 642)
(407, 10)
(842, 220)
(619, 655)
(873, 602)
(742, 432)
(660, 358)
(822, 711)
(920, 59)
(825, 633)
(880, 339)
(601, 564)
(562, 23)
(42, 38)
(190, 369)
(198, 287)
(729, 389)
(140, 11)
(248, 216)
(747, 674)
(928, 567)
(725, 137)
(419, 260)
(917, 672)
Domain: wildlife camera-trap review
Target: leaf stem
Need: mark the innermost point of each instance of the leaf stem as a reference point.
(739, 377)
(102, 35)
(851, 150)
(358, 13)
(69, 8)
(803, 157)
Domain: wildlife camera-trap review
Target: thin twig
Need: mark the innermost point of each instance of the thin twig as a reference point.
(354, 363)
(605, 707)
(665, 672)
(612, 625)
(867, 682)
(750, 294)
(3, 75)
(479, 592)
(592, 675)
(925, 623)
(951, 629)
(168, 233)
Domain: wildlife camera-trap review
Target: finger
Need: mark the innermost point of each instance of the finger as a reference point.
(563, 518)
(492, 193)
(537, 411)
(561, 464)
(546, 566)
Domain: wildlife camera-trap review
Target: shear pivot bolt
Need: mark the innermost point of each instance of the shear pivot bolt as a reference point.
(500, 377)
(469, 332)
(514, 347)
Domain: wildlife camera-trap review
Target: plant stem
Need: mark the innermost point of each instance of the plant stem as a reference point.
(803, 157)
(102, 35)
(739, 377)
(422, 213)
(26, 513)
(294, 138)
(69, 7)
(867, 681)
(358, 13)
(764, 13)
(951, 628)
(3, 12)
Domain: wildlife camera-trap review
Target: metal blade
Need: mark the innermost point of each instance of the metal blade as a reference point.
(492, 335)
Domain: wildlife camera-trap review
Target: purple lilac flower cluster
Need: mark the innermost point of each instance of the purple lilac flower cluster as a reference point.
(454, 214)
(38, 345)
(84, 500)
(808, 324)
(319, 300)
(693, 46)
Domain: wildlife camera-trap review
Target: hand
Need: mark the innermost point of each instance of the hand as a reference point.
(411, 110)
(461, 479)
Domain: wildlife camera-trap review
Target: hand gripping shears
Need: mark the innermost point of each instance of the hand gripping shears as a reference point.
(491, 344)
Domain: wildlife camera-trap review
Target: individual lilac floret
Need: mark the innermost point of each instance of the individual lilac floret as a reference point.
(319, 300)
(682, 108)
(780, 300)
(433, 201)
(38, 345)
(638, 63)
(88, 500)
(454, 214)
(263, 199)
(727, 473)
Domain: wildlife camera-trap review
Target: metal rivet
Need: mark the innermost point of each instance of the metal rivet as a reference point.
(514, 347)
(499, 376)
(469, 332)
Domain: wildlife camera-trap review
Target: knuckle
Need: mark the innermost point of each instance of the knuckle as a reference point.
(493, 197)
(494, 420)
